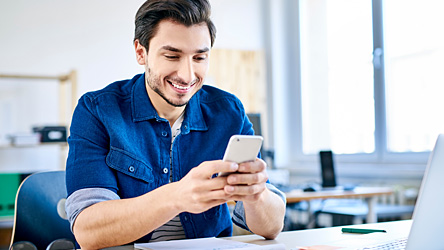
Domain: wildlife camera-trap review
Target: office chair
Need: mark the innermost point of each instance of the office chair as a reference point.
(40, 217)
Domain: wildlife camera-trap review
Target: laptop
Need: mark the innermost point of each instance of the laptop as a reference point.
(427, 221)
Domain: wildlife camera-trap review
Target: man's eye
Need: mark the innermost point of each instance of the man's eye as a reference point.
(171, 57)
(200, 58)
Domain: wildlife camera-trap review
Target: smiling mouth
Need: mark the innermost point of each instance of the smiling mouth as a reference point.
(177, 86)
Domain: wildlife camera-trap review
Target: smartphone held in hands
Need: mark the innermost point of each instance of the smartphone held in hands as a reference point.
(242, 148)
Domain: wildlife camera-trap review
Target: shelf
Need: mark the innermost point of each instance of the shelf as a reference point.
(65, 92)
(6, 221)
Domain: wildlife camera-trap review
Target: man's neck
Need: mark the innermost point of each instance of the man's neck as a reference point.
(172, 115)
(164, 109)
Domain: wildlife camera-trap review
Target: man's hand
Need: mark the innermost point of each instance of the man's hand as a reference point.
(198, 191)
(264, 210)
(249, 182)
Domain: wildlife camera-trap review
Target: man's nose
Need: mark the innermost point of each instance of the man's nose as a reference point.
(186, 71)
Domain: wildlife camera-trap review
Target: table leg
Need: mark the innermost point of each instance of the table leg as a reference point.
(372, 216)
(310, 223)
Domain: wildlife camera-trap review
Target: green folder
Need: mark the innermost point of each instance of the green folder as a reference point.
(9, 184)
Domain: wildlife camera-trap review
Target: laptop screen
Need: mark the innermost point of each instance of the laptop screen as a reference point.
(426, 232)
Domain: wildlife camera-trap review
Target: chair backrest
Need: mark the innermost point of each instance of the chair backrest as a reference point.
(40, 216)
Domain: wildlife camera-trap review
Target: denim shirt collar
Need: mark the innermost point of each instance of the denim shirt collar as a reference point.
(143, 109)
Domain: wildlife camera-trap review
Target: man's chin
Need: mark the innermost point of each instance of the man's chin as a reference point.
(177, 103)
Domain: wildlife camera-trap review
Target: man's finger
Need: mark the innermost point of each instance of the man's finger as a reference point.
(253, 166)
(209, 168)
(246, 179)
(244, 189)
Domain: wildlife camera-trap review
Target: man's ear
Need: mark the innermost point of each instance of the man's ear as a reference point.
(140, 52)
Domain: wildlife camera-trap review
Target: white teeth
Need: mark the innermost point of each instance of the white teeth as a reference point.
(180, 87)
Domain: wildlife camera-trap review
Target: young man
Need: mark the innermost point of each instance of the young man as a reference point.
(143, 153)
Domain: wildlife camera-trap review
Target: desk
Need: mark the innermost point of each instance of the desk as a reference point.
(330, 236)
(368, 193)
(325, 236)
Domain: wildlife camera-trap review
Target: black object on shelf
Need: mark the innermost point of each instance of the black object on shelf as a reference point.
(51, 133)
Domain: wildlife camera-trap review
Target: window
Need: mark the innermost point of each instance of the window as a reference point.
(339, 75)
(414, 61)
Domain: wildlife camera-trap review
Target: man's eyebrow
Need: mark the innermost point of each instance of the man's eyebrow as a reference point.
(170, 48)
(173, 49)
(206, 49)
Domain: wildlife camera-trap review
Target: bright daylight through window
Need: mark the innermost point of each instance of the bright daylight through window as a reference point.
(414, 62)
(337, 75)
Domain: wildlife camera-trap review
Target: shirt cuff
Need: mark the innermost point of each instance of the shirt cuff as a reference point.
(239, 210)
(83, 198)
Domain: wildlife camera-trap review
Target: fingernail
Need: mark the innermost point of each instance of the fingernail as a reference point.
(234, 166)
(230, 188)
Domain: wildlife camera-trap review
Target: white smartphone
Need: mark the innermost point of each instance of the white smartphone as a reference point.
(242, 148)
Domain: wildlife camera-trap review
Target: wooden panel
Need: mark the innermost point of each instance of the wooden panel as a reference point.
(242, 73)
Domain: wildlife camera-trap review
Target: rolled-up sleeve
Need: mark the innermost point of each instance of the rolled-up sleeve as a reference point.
(83, 198)
(239, 210)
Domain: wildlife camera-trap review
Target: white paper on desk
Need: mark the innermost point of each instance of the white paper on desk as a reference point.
(206, 244)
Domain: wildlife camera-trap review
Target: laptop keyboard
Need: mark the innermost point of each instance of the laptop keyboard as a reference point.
(398, 244)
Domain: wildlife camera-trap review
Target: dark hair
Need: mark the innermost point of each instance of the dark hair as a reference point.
(186, 12)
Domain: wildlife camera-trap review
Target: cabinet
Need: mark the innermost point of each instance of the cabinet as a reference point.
(20, 97)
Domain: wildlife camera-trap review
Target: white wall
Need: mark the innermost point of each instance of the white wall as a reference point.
(52, 37)
(94, 37)
(239, 24)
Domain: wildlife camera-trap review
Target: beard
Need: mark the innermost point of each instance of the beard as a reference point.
(155, 83)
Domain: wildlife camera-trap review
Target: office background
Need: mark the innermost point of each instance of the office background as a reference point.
(94, 38)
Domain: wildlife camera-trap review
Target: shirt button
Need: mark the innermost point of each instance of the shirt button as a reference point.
(164, 133)
(131, 169)
(165, 170)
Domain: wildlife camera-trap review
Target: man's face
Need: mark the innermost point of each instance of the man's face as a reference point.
(176, 62)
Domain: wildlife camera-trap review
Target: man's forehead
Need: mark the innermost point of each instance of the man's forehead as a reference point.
(174, 36)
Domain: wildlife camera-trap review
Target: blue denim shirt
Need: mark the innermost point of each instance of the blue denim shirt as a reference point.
(119, 143)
